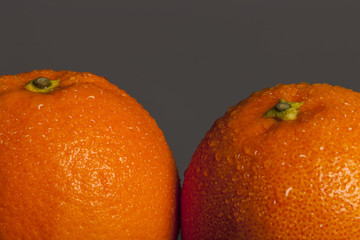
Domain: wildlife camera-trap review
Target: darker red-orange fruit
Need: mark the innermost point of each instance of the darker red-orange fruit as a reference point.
(260, 175)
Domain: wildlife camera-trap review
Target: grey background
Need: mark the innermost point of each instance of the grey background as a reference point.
(186, 61)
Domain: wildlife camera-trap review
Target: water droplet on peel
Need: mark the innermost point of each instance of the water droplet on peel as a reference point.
(218, 156)
(246, 175)
(230, 160)
(239, 167)
(213, 143)
(288, 191)
(352, 189)
(247, 150)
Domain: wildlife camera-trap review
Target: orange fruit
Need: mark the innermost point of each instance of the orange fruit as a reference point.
(81, 159)
(282, 164)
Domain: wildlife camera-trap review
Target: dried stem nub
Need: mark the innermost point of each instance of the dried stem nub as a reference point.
(42, 82)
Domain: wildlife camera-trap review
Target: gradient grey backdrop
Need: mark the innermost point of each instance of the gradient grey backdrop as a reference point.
(186, 61)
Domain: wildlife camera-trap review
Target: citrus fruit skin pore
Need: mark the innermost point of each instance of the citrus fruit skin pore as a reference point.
(256, 177)
(82, 161)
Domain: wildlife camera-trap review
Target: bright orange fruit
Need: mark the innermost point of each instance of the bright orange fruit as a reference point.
(81, 159)
(289, 173)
